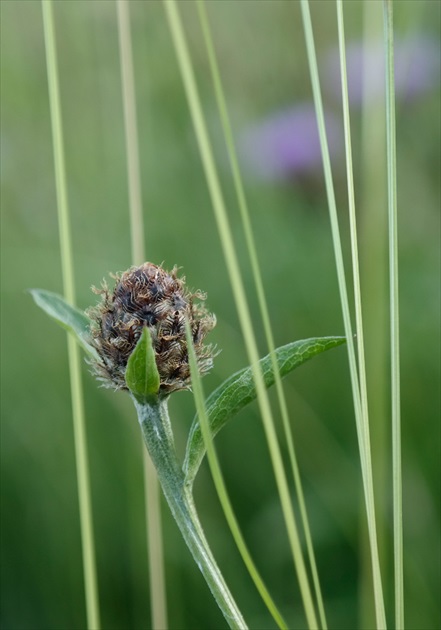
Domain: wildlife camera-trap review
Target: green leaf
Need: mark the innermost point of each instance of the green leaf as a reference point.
(142, 376)
(239, 390)
(68, 317)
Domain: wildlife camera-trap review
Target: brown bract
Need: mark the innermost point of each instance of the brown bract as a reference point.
(150, 296)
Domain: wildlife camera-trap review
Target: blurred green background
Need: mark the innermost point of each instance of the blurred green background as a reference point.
(264, 67)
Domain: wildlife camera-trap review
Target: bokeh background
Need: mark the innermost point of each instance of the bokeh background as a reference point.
(264, 67)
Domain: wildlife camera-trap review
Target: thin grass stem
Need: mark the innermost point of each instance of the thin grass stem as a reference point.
(365, 551)
(263, 305)
(362, 426)
(230, 256)
(131, 132)
(374, 277)
(198, 393)
(352, 216)
(80, 438)
(151, 487)
(394, 313)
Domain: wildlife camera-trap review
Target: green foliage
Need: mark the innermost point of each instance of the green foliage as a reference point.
(68, 317)
(240, 389)
(142, 376)
(291, 227)
(143, 379)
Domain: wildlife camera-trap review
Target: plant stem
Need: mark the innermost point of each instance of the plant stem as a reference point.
(363, 433)
(80, 437)
(156, 429)
(263, 304)
(158, 594)
(374, 280)
(220, 486)
(394, 315)
(131, 132)
(354, 247)
(243, 310)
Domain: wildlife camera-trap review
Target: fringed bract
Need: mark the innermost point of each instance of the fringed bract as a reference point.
(150, 296)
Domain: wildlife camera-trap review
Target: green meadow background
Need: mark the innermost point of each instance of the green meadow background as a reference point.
(263, 62)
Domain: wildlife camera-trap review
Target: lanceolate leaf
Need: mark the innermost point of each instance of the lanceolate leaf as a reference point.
(67, 316)
(142, 376)
(239, 390)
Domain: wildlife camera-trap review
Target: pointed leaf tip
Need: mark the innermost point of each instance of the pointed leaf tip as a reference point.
(142, 376)
(67, 316)
(239, 390)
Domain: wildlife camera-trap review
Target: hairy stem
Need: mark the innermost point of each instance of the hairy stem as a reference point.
(157, 433)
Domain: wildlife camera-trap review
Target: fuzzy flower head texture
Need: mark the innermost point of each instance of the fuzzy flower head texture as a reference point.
(150, 296)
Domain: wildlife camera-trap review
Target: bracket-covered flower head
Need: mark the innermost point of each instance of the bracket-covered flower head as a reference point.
(150, 296)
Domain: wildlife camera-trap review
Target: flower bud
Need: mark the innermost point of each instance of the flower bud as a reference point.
(150, 296)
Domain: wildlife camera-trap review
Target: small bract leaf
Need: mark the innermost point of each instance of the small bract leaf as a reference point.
(239, 390)
(67, 316)
(142, 376)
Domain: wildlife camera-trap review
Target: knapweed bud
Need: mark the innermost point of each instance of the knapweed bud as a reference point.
(150, 296)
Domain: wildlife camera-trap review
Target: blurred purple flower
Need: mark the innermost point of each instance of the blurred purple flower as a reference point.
(417, 69)
(287, 144)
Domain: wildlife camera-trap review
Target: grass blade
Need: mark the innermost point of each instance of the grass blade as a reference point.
(394, 313)
(238, 289)
(219, 483)
(374, 278)
(366, 562)
(362, 426)
(131, 132)
(82, 466)
(352, 215)
(151, 487)
(240, 390)
(263, 306)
